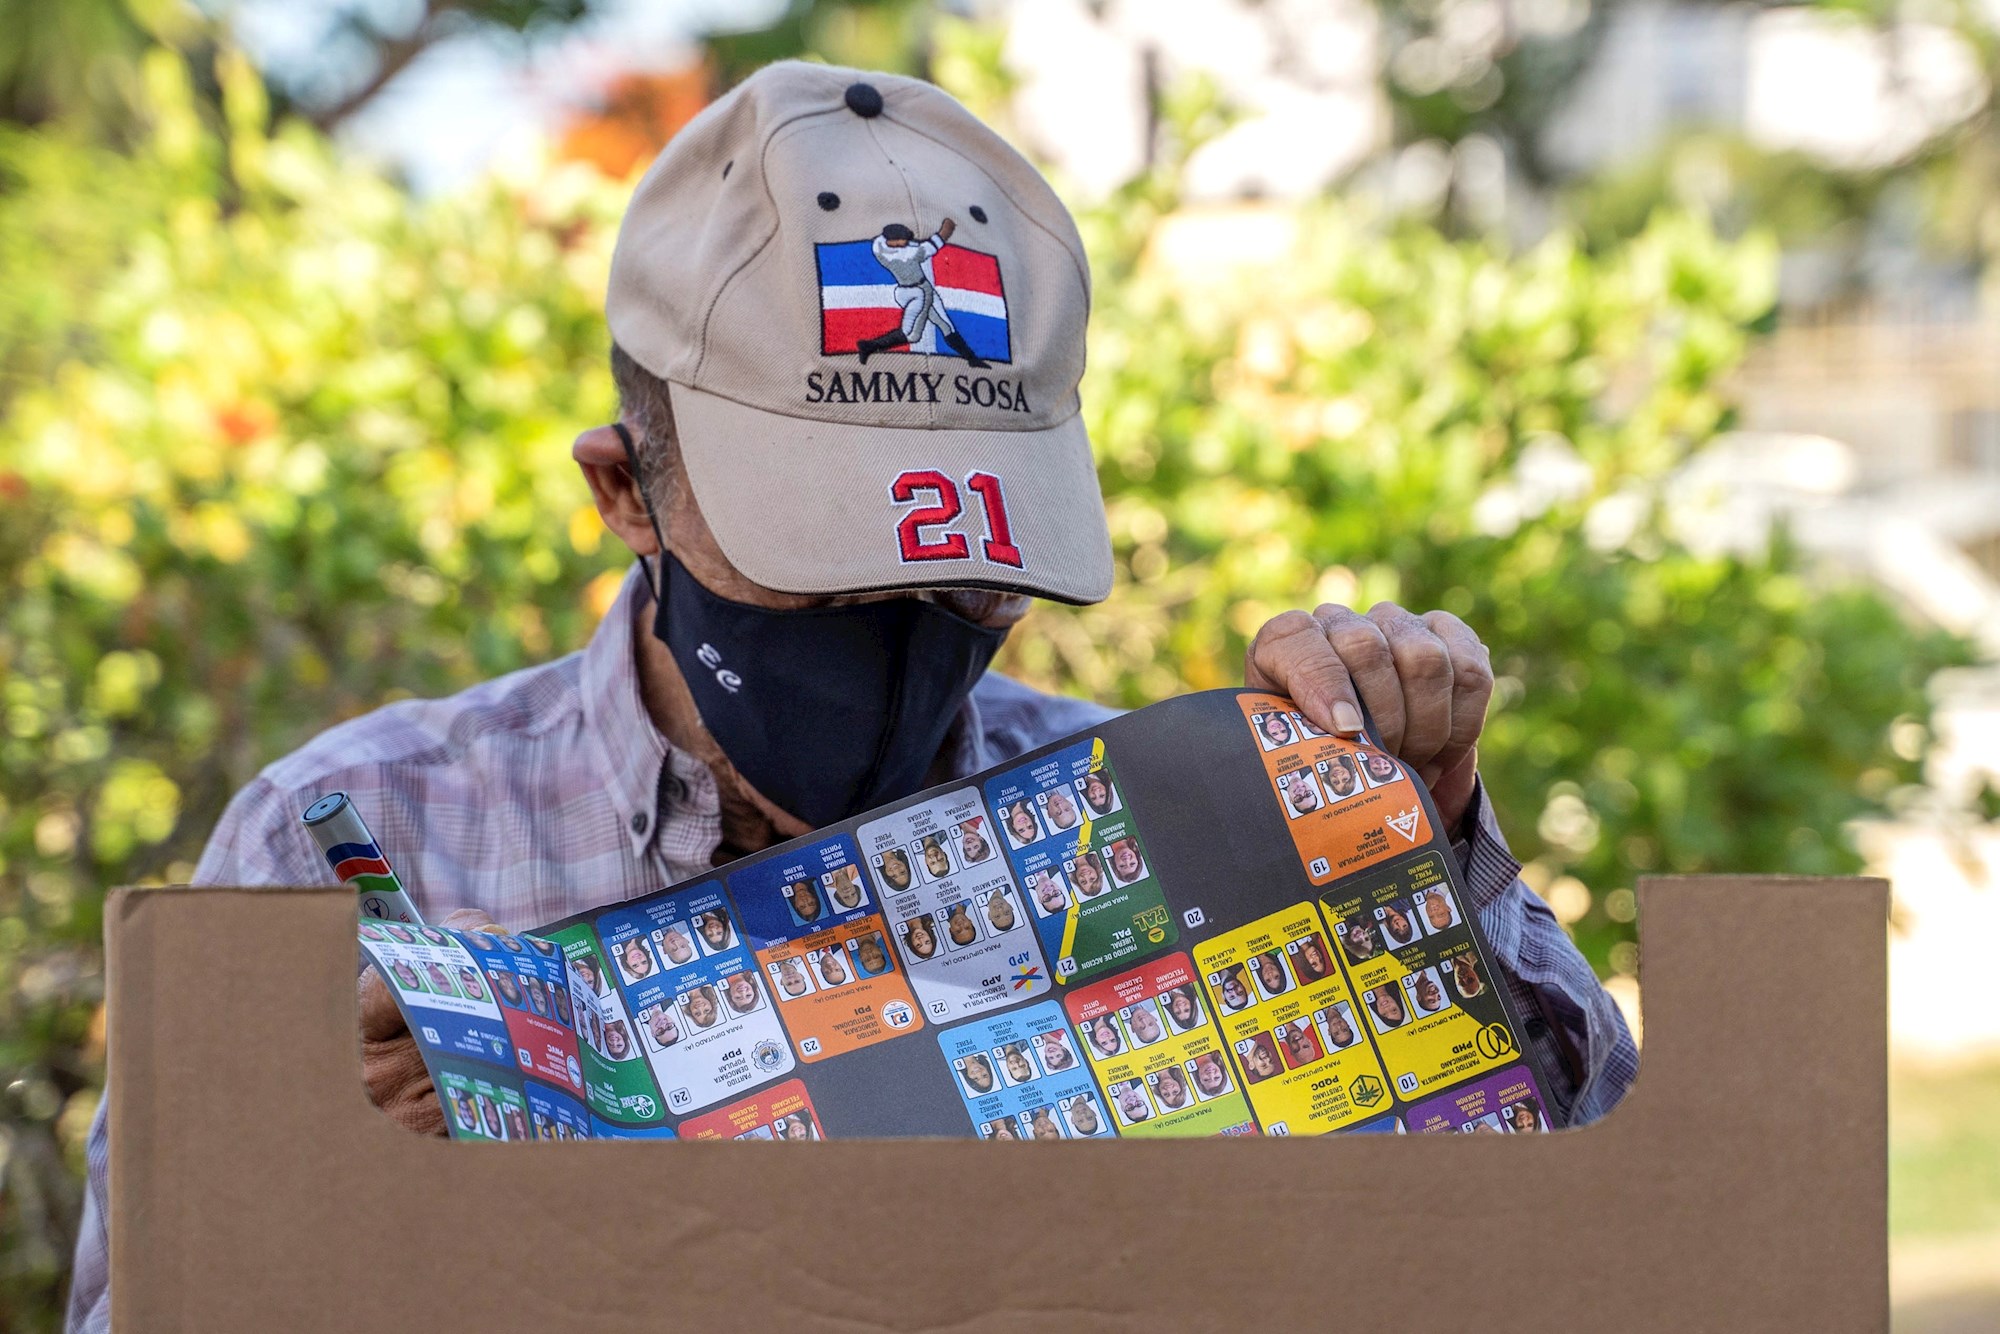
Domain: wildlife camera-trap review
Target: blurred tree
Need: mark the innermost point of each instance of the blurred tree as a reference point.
(364, 46)
(77, 61)
(867, 34)
(1453, 71)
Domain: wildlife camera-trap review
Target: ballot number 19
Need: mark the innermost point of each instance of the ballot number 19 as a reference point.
(938, 506)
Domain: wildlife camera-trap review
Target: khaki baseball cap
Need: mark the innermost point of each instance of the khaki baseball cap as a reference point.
(867, 398)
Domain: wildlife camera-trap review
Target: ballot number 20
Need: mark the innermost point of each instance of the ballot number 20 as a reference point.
(938, 506)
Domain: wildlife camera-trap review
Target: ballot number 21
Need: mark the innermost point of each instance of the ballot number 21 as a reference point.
(938, 506)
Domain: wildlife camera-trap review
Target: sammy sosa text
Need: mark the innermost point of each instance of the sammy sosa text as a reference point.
(915, 387)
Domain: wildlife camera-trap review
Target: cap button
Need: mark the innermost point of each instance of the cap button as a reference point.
(864, 99)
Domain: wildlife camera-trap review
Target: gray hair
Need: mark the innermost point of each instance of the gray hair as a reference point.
(642, 399)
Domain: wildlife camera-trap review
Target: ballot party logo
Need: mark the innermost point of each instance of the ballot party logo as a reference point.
(896, 292)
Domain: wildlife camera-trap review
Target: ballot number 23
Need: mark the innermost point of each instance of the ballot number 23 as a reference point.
(925, 530)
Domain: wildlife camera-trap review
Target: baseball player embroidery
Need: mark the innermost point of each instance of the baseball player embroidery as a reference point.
(898, 292)
(898, 250)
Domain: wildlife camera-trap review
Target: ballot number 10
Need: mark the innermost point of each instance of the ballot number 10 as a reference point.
(922, 485)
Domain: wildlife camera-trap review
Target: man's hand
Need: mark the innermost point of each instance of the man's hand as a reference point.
(391, 1064)
(1425, 679)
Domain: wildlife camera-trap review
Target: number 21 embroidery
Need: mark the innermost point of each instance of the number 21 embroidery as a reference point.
(914, 486)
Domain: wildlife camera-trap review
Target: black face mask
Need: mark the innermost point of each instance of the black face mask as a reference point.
(827, 711)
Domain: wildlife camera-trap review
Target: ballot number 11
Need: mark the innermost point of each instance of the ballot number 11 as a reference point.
(943, 509)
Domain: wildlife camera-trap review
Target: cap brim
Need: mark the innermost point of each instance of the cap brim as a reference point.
(810, 507)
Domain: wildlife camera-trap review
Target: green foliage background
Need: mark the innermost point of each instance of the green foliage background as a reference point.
(279, 443)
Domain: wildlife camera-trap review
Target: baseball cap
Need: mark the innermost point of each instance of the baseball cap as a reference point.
(866, 398)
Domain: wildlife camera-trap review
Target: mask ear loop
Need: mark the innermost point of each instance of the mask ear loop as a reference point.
(632, 458)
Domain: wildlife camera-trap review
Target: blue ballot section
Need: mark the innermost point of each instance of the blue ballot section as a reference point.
(1021, 1078)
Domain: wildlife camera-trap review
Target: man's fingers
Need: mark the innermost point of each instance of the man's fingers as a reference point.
(1423, 674)
(419, 1111)
(1365, 652)
(409, 1097)
(380, 1019)
(472, 919)
(1292, 656)
(1471, 684)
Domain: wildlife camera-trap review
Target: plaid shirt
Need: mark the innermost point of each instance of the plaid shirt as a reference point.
(550, 791)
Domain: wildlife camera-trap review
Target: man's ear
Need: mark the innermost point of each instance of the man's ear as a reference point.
(601, 456)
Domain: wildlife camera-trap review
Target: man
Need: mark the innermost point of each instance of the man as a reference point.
(674, 941)
(790, 979)
(1048, 890)
(831, 970)
(1304, 797)
(847, 887)
(663, 1028)
(1000, 912)
(1339, 1032)
(708, 718)
(871, 956)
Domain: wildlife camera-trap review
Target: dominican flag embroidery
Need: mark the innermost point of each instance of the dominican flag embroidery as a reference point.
(858, 300)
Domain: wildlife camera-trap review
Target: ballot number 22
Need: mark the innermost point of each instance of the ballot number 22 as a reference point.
(935, 497)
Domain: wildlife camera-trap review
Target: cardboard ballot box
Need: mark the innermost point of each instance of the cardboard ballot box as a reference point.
(1741, 1186)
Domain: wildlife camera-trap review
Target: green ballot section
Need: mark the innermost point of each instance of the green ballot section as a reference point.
(1205, 918)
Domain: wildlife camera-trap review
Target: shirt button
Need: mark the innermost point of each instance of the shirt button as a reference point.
(639, 822)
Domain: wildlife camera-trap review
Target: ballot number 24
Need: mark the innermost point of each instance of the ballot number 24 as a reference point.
(925, 533)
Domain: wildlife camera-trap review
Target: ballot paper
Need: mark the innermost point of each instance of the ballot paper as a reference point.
(1206, 917)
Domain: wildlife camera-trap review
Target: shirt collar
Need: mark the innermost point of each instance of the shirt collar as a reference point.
(643, 773)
